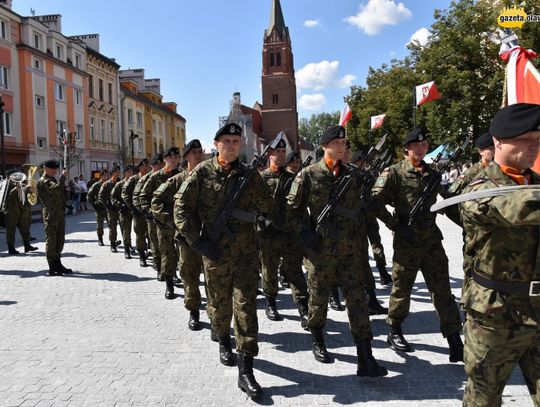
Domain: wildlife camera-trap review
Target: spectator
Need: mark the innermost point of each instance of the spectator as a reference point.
(453, 175)
(84, 191)
(445, 180)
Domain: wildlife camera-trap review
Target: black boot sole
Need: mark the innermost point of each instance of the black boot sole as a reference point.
(252, 396)
(367, 373)
(195, 326)
(398, 348)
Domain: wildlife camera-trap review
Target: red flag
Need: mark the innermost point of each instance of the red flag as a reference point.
(377, 121)
(426, 93)
(346, 115)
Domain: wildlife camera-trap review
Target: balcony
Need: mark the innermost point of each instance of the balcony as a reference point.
(101, 145)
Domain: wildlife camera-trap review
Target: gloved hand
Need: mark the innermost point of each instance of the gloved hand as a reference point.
(405, 232)
(207, 249)
(311, 240)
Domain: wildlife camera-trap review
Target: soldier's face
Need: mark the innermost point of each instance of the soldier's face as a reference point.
(105, 176)
(51, 172)
(278, 157)
(294, 165)
(194, 156)
(128, 174)
(417, 150)
(335, 149)
(518, 152)
(228, 147)
(172, 161)
(487, 154)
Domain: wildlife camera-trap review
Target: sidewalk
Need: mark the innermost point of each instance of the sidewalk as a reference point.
(105, 336)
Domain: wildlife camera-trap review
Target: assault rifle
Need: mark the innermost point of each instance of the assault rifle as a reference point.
(345, 183)
(371, 174)
(421, 207)
(283, 191)
(220, 225)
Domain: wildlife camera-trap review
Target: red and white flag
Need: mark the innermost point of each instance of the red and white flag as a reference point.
(377, 121)
(346, 115)
(427, 92)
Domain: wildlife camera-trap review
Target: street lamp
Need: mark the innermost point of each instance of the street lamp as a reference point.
(132, 137)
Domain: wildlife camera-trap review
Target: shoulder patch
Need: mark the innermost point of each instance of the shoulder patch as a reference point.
(183, 187)
(379, 182)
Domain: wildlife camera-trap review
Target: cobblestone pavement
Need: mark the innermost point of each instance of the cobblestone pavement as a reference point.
(105, 336)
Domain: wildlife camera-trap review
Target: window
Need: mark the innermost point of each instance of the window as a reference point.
(160, 128)
(154, 128)
(37, 40)
(40, 101)
(58, 91)
(4, 77)
(91, 86)
(139, 145)
(92, 128)
(111, 132)
(78, 61)
(100, 89)
(102, 129)
(59, 51)
(77, 95)
(130, 116)
(7, 122)
(37, 64)
(60, 128)
(80, 132)
(4, 29)
(272, 58)
(139, 120)
(41, 142)
(278, 58)
(110, 94)
(275, 99)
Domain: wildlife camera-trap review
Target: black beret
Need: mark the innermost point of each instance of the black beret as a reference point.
(103, 171)
(484, 141)
(128, 168)
(171, 152)
(51, 164)
(9, 172)
(292, 156)
(115, 168)
(191, 145)
(332, 133)
(281, 144)
(157, 159)
(416, 135)
(515, 120)
(230, 129)
(143, 162)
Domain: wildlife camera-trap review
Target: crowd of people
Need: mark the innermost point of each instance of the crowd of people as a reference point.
(235, 225)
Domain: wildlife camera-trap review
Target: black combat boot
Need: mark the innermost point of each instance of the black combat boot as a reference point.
(335, 303)
(53, 268)
(319, 349)
(367, 365)
(12, 250)
(303, 312)
(28, 247)
(246, 379)
(178, 282)
(100, 241)
(169, 291)
(226, 356)
(456, 347)
(142, 259)
(397, 341)
(375, 308)
(113, 247)
(194, 323)
(284, 282)
(65, 270)
(127, 252)
(271, 309)
(386, 278)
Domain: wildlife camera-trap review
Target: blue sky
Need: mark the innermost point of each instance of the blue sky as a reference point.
(203, 51)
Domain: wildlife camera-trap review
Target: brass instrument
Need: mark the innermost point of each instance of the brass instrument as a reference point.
(18, 178)
(4, 184)
(30, 170)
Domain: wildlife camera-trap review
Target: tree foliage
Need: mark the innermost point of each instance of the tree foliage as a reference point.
(312, 129)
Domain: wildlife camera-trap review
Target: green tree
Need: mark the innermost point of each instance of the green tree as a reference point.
(311, 129)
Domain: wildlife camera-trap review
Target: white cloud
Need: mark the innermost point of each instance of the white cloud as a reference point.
(420, 37)
(322, 75)
(377, 13)
(312, 23)
(312, 102)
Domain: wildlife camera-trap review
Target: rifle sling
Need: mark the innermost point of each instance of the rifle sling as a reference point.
(244, 216)
(346, 212)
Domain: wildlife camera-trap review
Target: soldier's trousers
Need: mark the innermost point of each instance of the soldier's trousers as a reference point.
(372, 229)
(54, 224)
(494, 345)
(101, 217)
(168, 252)
(16, 221)
(369, 281)
(327, 270)
(140, 228)
(154, 244)
(125, 227)
(232, 291)
(112, 220)
(287, 249)
(430, 258)
(191, 265)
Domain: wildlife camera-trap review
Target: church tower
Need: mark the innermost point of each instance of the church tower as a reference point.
(278, 108)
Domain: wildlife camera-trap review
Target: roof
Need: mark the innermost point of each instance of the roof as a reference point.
(255, 118)
(149, 102)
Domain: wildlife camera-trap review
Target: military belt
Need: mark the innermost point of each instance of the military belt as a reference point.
(347, 213)
(531, 289)
(244, 216)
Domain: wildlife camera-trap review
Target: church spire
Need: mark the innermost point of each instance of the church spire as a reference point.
(276, 18)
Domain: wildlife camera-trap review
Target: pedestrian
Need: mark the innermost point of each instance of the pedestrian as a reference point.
(415, 247)
(502, 329)
(84, 192)
(231, 263)
(76, 191)
(334, 256)
(51, 196)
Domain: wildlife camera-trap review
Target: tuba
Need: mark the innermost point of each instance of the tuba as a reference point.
(30, 170)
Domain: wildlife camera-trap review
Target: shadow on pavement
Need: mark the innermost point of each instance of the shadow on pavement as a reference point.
(110, 277)
(8, 302)
(25, 273)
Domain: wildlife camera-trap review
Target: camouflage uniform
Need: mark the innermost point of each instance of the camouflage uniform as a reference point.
(51, 197)
(165, 235)
(342, 260)
(372, 229)
(502, 328)
(285, 247)
(137, 204)
(101, 211)
(139, 221)
(104, 198)
(16, 216)
(232, 281)
(400, 186)
(125, 214)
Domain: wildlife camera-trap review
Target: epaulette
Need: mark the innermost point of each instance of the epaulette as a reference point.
(478, 181)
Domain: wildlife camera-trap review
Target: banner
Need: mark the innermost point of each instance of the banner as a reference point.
(426, 93)
(346, 115)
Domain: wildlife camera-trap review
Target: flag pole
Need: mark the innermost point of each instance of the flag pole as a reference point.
(414, 106)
